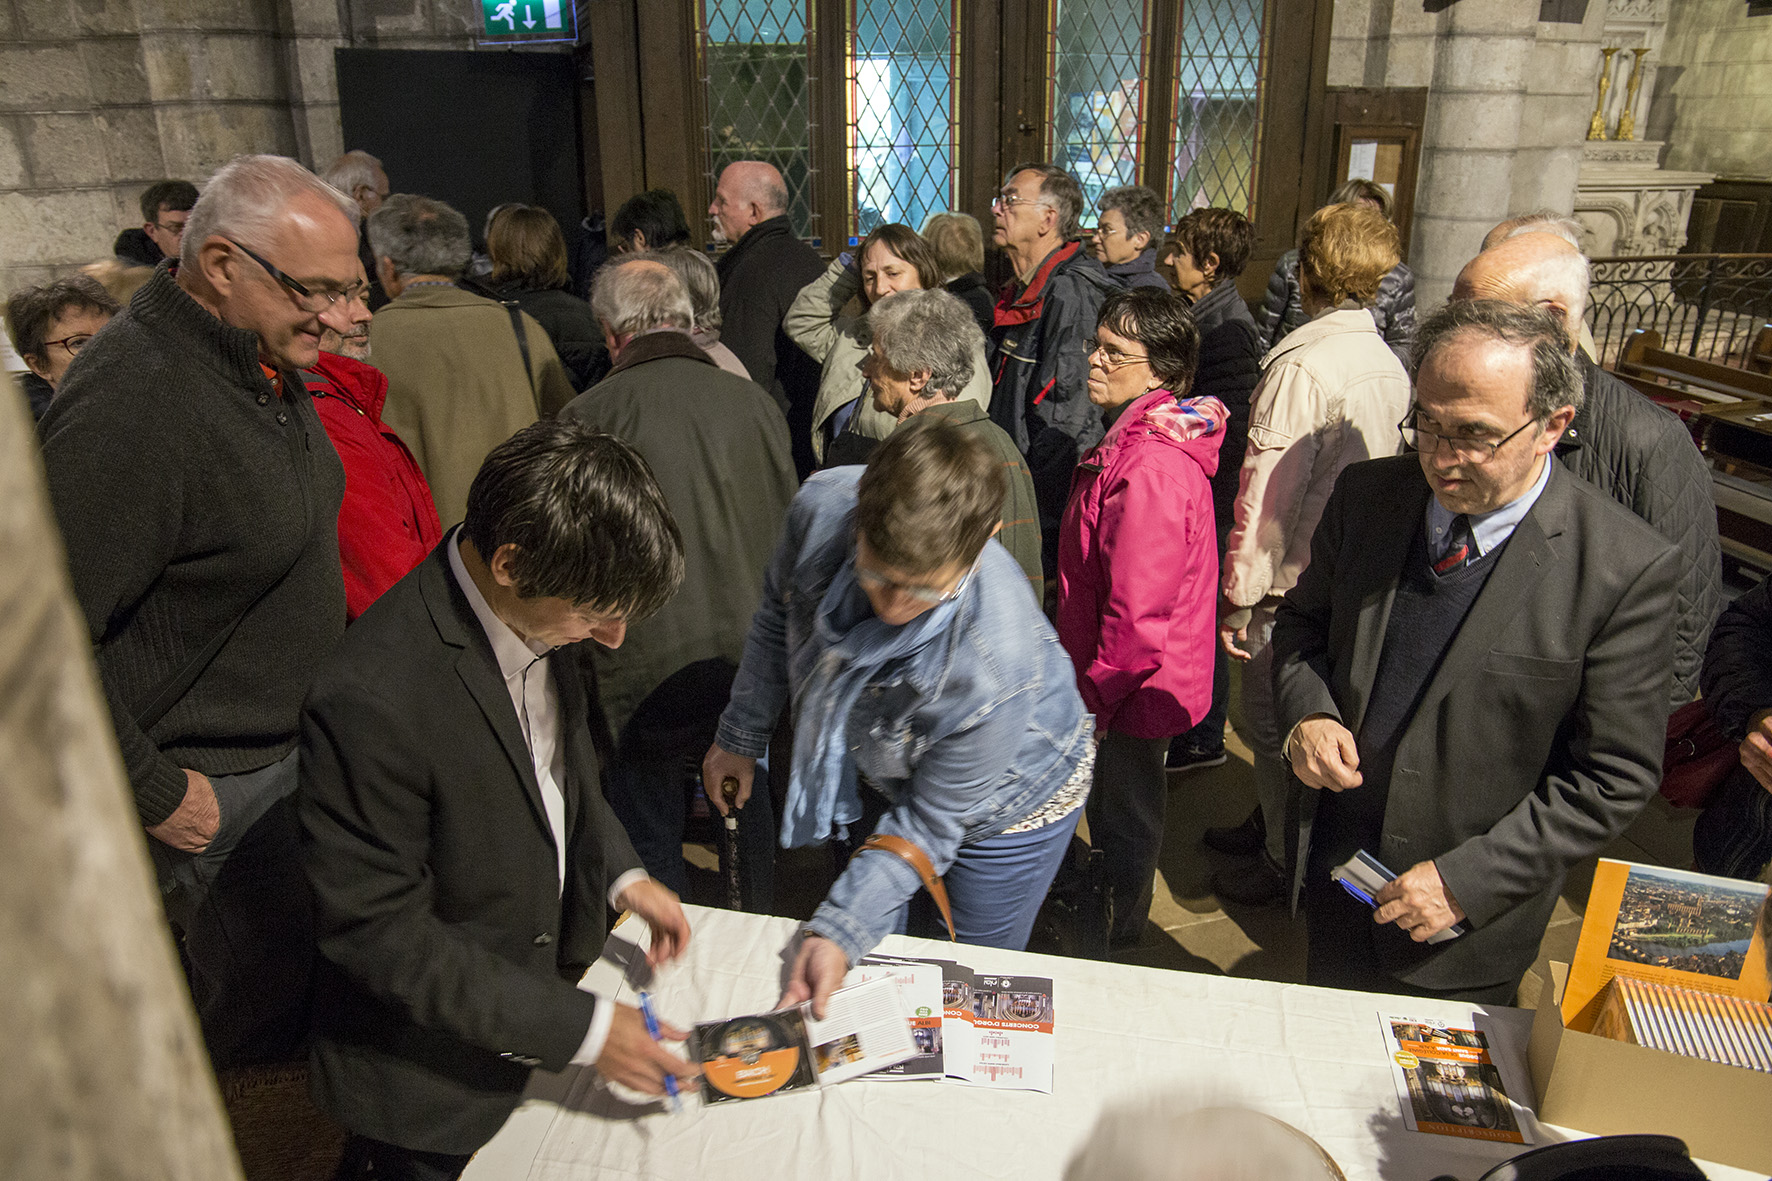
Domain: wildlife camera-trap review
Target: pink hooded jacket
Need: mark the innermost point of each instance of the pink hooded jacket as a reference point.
(1138, 567)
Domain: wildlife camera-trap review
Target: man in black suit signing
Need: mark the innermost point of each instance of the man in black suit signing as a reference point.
(1473, 672)
(460, 850)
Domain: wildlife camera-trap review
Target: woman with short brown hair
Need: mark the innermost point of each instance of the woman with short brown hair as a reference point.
(528, 254)
(931, 700)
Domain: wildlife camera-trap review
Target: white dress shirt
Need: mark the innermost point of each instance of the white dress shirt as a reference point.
(524, 664)
(1488, 529)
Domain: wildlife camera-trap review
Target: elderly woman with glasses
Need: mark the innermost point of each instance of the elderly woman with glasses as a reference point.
(894, 257)
(1138, 577)
(931, 699)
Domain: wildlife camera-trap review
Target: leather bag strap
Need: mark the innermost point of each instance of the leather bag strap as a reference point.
(516, 311)
(919, 861)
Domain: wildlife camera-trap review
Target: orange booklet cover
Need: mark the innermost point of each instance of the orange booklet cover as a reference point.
(1668, 926)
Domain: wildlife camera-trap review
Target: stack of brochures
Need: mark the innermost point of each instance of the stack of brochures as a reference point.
(1673, 960)
(1691, 1021)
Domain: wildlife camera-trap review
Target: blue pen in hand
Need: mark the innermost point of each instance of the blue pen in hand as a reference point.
(652, 1028)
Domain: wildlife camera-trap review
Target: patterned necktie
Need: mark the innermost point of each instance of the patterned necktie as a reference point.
(1462, 545)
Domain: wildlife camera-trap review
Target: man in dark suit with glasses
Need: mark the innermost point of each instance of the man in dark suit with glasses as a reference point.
(1472, 674)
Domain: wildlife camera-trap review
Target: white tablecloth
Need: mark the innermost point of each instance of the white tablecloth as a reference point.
(1310, 1056)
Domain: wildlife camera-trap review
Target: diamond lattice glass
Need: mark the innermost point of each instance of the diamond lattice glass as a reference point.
(756, 68)
(1216, 136)
(903, 73)
(1097, 56)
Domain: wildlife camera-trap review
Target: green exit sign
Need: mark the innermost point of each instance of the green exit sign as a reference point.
(528, 20)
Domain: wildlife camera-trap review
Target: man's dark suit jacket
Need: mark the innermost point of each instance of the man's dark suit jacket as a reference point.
(448, 949)
(1540, 736)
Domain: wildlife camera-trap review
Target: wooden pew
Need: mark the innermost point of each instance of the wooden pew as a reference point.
(1704, 380)
(1759, 353)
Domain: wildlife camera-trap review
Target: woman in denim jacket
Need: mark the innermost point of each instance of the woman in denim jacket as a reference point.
(928, 692)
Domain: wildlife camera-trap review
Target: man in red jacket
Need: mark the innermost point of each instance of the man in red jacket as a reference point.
(387, 523)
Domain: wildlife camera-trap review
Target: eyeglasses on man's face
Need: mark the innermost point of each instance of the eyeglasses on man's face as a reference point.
(1111, 357)
(1009, 199)
(175, 228)
(1464, 448)
(308, 299)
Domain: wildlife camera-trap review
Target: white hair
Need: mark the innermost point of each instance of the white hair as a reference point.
(356, 167)
(244, 201)
(1152, 1140)
(1542, 221)
(636, 293)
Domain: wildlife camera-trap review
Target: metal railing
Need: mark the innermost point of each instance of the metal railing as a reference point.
(1704, 305)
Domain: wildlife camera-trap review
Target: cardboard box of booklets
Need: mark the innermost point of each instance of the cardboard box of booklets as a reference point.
(1655, 924)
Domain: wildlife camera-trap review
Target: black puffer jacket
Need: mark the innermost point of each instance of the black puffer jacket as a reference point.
(1229, 370)
(1283, 309)
(1737, 674)
(574, 331)
(1641, 456)
(970, 290)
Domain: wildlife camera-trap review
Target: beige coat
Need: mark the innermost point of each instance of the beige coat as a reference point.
(456, 384)
(816, 323)
(1331, 394)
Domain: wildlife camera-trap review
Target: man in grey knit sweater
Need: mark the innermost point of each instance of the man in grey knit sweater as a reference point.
(198, 497)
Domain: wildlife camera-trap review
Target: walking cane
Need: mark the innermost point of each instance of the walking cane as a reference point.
(734, 894)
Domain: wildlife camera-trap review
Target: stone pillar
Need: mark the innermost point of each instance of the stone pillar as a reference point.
(1482, 60)
(105, 1073)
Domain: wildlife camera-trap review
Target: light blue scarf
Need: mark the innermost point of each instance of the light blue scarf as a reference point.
(824, 795)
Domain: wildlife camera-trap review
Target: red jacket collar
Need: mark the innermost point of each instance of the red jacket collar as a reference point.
(1020, 308)
(361, 383)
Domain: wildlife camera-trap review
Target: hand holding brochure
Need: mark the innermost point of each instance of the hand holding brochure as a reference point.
(1363, 876)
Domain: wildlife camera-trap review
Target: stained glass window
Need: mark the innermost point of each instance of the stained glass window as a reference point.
(1098, 51)
(1219, 64)
(903, 74)
(756, 57)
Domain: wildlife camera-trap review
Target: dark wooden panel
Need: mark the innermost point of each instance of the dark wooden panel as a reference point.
(832, 197)
(1158, 148)
(670, 88)
(979, 155)
(616, 68)
(1021, 129)
(1294, 83)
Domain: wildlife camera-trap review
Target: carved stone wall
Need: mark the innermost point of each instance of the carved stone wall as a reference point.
(1631, 206)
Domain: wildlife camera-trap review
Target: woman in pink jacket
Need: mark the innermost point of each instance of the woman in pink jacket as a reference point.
(1138, 578)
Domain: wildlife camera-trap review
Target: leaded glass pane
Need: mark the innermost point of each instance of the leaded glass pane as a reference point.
(756, 57)
(1217, 105)
(1097, 53)
(903, 69)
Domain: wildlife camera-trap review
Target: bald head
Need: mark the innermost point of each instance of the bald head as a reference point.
(1538, 270)
(750, 191)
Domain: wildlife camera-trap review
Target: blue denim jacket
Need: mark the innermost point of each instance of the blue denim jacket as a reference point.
(965, 738)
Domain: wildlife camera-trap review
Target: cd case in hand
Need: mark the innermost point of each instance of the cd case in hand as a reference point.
(865, 1029)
